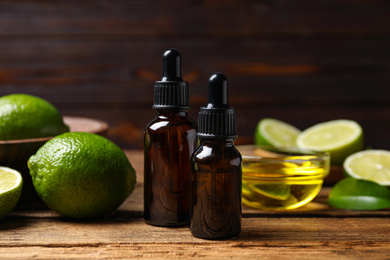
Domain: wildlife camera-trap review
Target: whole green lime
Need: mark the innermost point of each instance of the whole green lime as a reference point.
(82, 175)
(25, 116)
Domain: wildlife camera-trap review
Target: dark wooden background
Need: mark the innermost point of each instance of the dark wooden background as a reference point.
(301, 61)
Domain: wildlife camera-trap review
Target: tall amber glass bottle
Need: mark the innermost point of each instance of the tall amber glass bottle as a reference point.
(216, 168)
(170, 140)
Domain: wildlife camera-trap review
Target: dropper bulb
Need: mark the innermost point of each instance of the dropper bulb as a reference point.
(171, 65)
(217, 91)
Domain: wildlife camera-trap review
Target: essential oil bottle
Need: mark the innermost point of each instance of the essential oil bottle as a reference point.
(170, 140)
(216, 168)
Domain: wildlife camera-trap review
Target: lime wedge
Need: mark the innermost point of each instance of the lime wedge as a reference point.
(275, 133)
(372, 165)
(245, 189)
(338, 137)
(351, 193)
(273, 191)
(10, 189)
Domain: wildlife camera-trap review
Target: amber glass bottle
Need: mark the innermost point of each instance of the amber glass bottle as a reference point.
(170, 140)
(216, 168)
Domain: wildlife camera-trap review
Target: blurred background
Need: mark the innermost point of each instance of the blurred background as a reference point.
(300, 61)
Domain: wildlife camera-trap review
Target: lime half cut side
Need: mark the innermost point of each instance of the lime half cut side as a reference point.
(340, 138)
(372, 165)
(11, 184)
(275, 133)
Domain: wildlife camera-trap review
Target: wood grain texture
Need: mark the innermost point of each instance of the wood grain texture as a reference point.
(268, 237)
(303, 62)
(315, 231)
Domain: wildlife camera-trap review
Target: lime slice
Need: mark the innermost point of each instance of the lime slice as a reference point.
(338, 137)
(245, 190)
(372, 165)
(10, 189)
(273, 191)
(351, 193)
(275, 133)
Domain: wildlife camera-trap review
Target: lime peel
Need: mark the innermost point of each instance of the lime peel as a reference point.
(360, 202)
(356, 194)
(82, 175)
(25, 116)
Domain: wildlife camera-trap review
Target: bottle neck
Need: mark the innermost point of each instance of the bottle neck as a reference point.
(171, 113)
(229, 142)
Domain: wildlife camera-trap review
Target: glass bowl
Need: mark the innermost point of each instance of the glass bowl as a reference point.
(281, 178)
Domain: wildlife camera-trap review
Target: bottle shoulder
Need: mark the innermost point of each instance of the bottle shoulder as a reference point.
(216, 153)
(159, 123)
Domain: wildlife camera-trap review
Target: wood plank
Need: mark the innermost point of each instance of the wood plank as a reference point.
(261, 236)
(196, 17)
(87, 61)
(206, 251)
(295, 230)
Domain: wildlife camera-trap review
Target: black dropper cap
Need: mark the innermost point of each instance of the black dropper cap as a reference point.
(217, 120)
(171, 92)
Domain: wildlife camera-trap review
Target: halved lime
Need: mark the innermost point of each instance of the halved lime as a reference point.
(351, 193)
(273, 191)
(338, 137)
(372, 165)
(245, 189)
(11, 184)
(275, 133)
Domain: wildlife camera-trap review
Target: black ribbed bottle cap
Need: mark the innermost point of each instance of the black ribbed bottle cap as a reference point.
(217, 120)
(171, 92)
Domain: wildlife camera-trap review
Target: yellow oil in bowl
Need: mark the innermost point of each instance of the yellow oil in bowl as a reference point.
(281, 178)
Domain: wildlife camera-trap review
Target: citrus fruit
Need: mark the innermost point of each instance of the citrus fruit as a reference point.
(82, 175)
(274, 191)
(11, 184)
(24, 116)
(372, 165)
(351, 193)
(338, 137)
(275, 133)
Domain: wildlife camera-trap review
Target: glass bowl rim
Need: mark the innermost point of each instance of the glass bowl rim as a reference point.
(296, 152)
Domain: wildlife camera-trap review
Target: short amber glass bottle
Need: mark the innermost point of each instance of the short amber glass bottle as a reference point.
(216, 169)
(170, 140)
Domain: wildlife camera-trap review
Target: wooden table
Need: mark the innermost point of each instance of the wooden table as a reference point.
(315, 231)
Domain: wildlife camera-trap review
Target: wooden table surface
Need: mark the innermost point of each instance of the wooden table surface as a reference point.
(315, 231)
